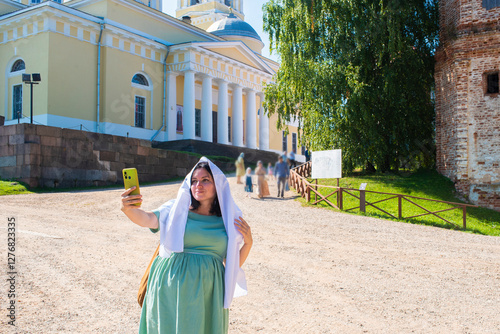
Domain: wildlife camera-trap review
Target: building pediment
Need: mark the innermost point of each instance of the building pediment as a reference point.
(238, 52)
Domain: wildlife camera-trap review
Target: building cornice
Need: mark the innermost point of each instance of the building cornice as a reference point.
(153, 13)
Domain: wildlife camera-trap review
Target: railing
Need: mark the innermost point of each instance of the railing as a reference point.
(298, 180)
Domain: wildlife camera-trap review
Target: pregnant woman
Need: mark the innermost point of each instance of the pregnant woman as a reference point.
(204, 241)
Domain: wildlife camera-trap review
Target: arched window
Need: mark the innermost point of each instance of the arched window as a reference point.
(140, 80)
(19, 65)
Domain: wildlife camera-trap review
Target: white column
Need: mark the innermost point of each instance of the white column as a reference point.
(237, 115)
(263, 126)
(251, 120)
(188, 113)
(222, 113)
(171, 106)
(206, 109)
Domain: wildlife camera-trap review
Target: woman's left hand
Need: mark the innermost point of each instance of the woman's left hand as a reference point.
(243, 227)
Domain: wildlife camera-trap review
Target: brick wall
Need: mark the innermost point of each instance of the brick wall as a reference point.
(44, 156)
(468, 119)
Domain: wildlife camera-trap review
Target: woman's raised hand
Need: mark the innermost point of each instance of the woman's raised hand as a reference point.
(130, 201)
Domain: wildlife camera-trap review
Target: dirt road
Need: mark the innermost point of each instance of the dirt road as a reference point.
(79, 262)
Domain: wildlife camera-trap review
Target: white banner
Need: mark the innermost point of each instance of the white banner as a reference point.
(327, 164)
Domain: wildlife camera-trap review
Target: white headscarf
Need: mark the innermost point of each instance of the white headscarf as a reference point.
(173, 218)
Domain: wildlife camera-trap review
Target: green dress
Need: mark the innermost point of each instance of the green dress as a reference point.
(185, 293)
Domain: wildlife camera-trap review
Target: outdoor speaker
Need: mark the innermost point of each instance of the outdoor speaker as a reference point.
(36, 77)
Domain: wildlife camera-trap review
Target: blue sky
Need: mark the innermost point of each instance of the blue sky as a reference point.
(253, 15)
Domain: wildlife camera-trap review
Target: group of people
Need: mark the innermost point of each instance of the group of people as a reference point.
(280, 172)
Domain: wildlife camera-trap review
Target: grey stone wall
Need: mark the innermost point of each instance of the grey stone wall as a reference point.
(43, 156)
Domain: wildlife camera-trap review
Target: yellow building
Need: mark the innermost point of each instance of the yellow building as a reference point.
(125, 68)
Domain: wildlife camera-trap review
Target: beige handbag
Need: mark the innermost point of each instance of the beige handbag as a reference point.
(144, 281)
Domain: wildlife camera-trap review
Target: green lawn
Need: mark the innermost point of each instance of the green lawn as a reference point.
(426, 184)
(13, 188)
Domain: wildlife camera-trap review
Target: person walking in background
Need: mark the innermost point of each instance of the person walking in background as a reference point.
(263, 188)
(281, 172)
(284, 156)
(270, 173)
(248, 182)
(240, 168)
(204, 241)
(291, 157)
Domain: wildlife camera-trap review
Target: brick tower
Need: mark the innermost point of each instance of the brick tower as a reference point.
(468, 98)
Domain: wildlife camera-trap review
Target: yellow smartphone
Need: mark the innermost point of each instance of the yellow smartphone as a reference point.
(131, 179)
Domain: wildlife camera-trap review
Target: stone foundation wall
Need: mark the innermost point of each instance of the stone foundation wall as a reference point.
(467, 117)
(43, 156)
(206, 148)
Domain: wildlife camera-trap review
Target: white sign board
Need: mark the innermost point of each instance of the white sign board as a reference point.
(327, 164)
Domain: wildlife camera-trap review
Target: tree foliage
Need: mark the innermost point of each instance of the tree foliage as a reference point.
(357, 74)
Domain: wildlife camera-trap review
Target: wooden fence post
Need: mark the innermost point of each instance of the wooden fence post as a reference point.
(464, 208)
(400, 208)
(316, 188)
(362, 202)
(341, 204)
(308, 194)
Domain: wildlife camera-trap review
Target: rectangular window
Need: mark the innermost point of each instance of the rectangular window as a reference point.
(492, 83)
(140, 108)
(285, 142)
(303, 150)
(197, 122)
(17, 101)
(294, 142)
(35, 1)
(229, 128)
(490, 4)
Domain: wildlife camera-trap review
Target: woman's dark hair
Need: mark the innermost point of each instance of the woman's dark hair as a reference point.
(215, 209)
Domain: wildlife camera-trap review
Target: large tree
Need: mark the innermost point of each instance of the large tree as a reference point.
(357, 74)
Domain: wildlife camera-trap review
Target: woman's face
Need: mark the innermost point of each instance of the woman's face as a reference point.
(203, 186)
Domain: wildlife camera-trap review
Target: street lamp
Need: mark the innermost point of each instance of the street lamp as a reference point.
(31, 79)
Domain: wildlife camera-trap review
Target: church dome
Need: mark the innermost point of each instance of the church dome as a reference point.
(233, 26)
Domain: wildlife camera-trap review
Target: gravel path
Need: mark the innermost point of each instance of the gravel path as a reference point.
(79, 262)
